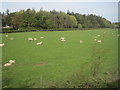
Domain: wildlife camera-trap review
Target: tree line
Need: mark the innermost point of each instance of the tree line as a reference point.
(43, 19)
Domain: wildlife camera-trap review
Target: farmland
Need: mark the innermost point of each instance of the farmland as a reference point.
(56, 64)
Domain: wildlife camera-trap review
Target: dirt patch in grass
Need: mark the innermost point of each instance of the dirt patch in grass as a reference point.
(42, 64)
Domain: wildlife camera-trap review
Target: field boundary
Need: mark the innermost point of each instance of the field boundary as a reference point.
(67, 29)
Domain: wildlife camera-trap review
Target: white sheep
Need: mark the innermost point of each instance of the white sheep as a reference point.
(98, 35)
(63, 40)
(30, 39)
(12, 61)
(39, 43)
(81, 41)
(7, 64)
(11, 38)
(6, 35)
(1, 45)
(41, 37)
(99, 41)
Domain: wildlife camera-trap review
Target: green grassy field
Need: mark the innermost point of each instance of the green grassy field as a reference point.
(61, 64)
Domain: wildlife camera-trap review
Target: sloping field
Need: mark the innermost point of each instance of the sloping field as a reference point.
(61, 64)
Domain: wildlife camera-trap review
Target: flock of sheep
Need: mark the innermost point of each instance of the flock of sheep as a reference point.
(62, 39)
(34, 39)
(99, 41)
(11, 62)
(3, 44)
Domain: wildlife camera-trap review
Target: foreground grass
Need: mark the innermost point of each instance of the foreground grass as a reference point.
(61, 64)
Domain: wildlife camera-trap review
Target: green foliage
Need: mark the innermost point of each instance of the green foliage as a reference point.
(73, 22)
(53, 19)
(80, 26)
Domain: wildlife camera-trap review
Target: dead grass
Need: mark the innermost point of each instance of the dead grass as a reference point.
(42, 64)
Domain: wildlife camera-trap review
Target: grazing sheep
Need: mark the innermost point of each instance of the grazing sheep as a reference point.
(7, 64)
(104, 32)
(81, 41)
(63, 40)
(112, 33)
(99, 41)
(30, 39)
(35, 39)
(1, 45)
(41, 37)
(6, 35)
(11, 38)
(39, 43)
(98, 35)
(12, 61)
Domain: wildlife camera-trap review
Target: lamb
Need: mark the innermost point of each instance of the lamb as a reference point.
(6, 35)
(1, 45)
(41, 37)
(11, 38)
(12, 61)
(7, 64)
(30, 39)
(39, 43)
(99, 41)
(81, 41)
(63, 40)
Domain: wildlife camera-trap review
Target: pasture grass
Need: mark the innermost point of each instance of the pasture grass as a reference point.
(58, 64)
